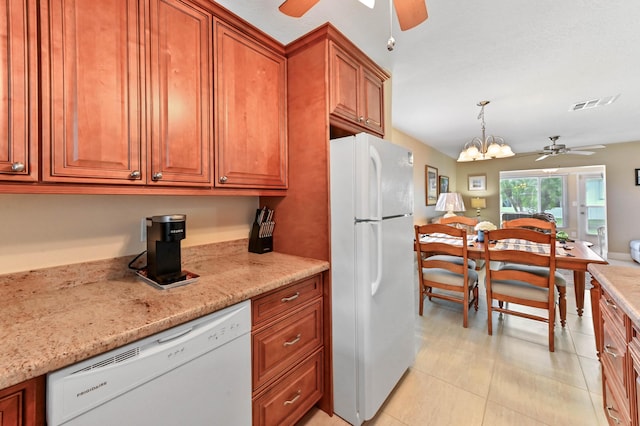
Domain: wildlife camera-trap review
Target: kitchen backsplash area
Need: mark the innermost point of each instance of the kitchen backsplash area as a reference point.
(50, 230)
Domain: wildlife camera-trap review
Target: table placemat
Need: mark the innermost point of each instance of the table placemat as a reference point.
(444, 238)
(524, 245)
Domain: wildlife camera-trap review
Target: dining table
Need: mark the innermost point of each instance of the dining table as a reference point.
(572, 255)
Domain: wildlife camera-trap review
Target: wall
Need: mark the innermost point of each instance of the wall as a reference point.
(424, 155)
(48, 230)
(623, 196)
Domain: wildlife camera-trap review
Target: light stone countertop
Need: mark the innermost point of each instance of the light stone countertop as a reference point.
(54, 317)
(622, 283)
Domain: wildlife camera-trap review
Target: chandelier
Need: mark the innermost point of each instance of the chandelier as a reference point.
(486, 148)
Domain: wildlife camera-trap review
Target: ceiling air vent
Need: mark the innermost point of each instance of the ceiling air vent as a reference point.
(593, 103)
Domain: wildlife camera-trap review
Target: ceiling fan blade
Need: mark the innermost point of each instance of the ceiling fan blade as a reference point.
(542, 157)
(296, 8)
(410, 13)
(580, 152)
(587, 147)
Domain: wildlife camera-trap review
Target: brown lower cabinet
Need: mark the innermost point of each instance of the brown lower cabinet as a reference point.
(287, 352)
(23, 404)
(618, 341)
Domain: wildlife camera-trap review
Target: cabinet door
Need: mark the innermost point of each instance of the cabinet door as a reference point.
(251, 144)
(181, 93)
(23, 404)
(11, 409)
(344, 95)
(372, 102)
(18, 100)
(92, 122)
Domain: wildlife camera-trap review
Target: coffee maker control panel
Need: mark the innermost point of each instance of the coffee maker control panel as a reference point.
(168, 228)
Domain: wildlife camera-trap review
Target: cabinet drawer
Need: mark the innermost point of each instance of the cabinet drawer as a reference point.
(286, 402)
(615, 410)
(614, 352)
(278, 347)
(608, 305)
(267, 307)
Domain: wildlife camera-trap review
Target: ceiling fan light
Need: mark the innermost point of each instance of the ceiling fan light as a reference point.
(369, 3)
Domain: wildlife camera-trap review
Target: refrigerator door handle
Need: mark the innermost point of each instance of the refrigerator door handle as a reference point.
(377, 162)
(375, 285)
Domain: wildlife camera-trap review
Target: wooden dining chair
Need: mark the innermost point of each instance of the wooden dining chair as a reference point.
(519, 286)
(469, 224)
(531, 223)
(439, 278)
(560, 281)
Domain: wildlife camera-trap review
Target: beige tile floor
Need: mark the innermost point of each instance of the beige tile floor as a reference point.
(466, 377)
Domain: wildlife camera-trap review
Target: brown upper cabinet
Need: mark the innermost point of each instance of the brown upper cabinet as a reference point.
(181, 98)
(140, 96)
(250, 113)
(356, 92)
(18, 94)
(123, 103)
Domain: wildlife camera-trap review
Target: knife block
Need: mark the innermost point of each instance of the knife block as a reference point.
(258, 244)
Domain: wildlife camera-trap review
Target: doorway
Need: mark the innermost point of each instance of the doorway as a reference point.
(592, 211)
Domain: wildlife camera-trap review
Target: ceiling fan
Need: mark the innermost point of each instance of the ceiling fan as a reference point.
(558, 148)
(410, 12)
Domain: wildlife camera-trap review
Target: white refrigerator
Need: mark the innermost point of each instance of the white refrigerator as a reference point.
(372, 263)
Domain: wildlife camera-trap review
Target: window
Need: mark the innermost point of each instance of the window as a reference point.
(533, 194)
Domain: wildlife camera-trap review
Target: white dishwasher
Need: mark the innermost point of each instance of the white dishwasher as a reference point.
(197, 373)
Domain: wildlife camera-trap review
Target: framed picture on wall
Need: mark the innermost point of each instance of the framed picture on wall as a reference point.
(431, 185)
(444, 184)
(478, 182)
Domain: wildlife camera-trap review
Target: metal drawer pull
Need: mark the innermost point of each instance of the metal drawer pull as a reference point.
(609, 410)
(294, 399)
(607, 349)
(609, 303)
(290, 298)
(292, 342)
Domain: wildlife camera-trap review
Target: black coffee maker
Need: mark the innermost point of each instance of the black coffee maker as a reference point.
(164, 234)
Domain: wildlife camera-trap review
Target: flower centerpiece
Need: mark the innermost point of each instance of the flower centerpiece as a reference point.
(485, 225)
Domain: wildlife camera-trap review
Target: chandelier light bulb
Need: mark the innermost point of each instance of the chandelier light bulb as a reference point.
(472, 151)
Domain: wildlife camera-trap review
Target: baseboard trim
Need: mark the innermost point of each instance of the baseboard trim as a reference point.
(619, 256)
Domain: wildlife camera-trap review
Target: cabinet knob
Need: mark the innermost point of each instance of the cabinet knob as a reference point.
(367, 121)
(135, 174)
(17, 167)
(223, 179)
(360, 119)
(156, 176)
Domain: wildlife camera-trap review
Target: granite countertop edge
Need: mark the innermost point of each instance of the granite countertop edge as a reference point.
(621, 283)
(58, 316)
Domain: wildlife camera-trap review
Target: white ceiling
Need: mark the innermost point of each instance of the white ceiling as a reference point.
(532, 59)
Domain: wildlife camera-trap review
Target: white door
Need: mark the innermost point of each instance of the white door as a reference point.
(592, 210)
(385, 294)
(383, 178)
